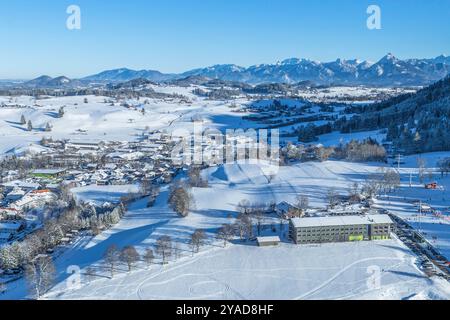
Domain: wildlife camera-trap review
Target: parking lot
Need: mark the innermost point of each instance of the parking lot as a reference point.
(430, 260)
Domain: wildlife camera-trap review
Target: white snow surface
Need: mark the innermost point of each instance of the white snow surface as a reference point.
(241, 270)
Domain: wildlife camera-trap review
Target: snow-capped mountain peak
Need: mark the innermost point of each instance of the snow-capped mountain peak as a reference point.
(388, 71)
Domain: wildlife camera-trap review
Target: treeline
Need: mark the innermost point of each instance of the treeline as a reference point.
(217, 94)
(79, 217)
(70, 92)
(361, 151)
(355, 151)
(416, 123)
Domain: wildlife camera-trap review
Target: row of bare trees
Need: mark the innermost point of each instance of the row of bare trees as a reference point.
(129, 256)
(444, 166)
(384, 181)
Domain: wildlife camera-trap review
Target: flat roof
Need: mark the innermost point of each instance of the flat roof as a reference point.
(268, 239)
(48, 171)
(341, 221)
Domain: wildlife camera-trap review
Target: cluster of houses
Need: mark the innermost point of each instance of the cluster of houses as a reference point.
(113, 162)
(76, 163)
(21, 202)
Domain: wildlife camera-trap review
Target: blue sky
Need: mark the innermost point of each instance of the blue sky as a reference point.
(177, 35)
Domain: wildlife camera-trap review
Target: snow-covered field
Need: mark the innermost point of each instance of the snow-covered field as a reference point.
(100, 194)
(97, 120)
(242, 270)
(435, 228)
(333, 271)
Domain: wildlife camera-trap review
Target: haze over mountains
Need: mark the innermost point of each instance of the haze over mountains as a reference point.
(389, 71)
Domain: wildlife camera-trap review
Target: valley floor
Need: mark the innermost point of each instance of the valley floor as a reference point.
(331, 271)
(242, 270)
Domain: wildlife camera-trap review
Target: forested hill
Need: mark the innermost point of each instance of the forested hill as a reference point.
(416, 122)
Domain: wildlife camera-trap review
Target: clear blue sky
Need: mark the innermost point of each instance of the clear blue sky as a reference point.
(177, 35)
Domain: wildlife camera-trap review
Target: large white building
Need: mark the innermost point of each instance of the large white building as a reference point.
(340, 228)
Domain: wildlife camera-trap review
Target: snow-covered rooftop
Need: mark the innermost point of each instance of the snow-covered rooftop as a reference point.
(49, 171)
(341, 221)
(268, 239)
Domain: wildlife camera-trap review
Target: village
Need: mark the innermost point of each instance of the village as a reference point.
(25, 193)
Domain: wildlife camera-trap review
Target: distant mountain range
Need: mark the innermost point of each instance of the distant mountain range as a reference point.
(389, 71)
(124, 74)
(49, 82)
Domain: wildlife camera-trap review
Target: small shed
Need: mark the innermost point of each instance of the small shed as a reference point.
(268, 241)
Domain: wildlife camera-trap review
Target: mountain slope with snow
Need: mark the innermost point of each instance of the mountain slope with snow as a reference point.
(389, 71)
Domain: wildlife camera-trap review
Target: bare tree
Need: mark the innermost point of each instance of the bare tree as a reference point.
(332, 198)
(241, 223)
(90, 273)
(372, 185)
(196, 179)
(430, 174)
(164, 247)
(244, 207)
(444, 166)
(225, 233)
(130, 256)
(40, 275)
(303, 202)
(180, 200)
(176, 250)
(197, 240)
(354, 192)
(391, 180)
(421, 164)
(3, 288)
(258, 215)
(271, 177)
(112, 257)
(149, 257)
(61, 112)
